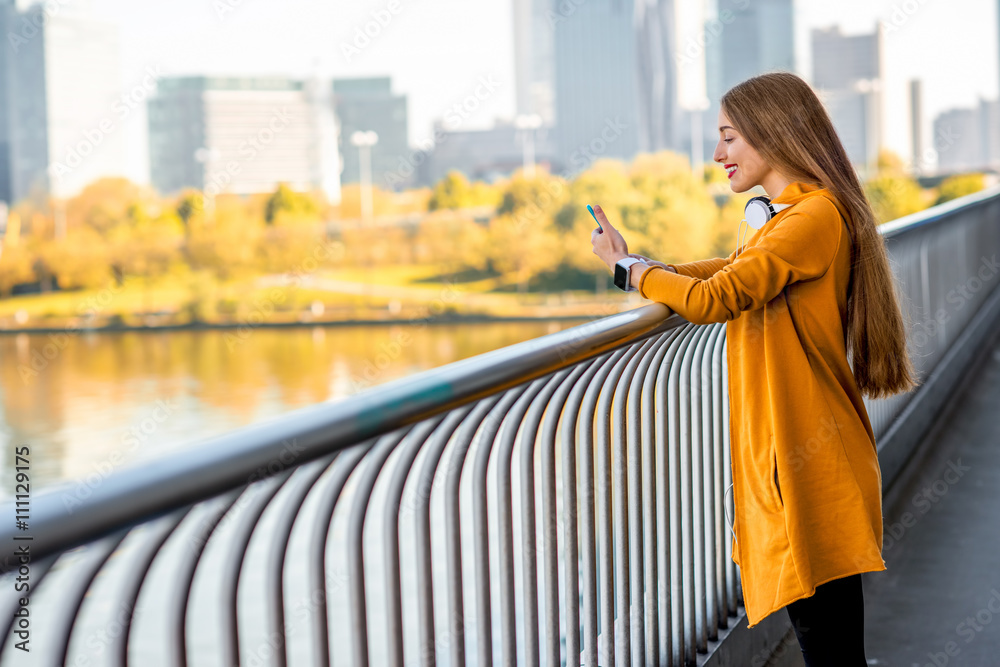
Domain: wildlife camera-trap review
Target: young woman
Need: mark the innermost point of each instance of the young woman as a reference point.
(809, 295)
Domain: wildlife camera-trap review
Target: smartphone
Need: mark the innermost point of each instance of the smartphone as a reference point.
(589, 208)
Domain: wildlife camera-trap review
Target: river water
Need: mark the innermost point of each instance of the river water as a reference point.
(90, 403)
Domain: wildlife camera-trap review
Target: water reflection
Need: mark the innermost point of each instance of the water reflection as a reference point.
(89, 403)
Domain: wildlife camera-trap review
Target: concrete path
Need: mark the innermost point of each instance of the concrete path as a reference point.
(938, 603)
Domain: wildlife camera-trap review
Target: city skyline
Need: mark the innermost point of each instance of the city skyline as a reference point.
(435, 53)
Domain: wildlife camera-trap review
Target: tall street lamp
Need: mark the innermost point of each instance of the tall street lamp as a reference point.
(208, 156)
(528, 123)
(364, 141)
(697, 109)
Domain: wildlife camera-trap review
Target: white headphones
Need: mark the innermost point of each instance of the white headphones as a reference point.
(756, 214)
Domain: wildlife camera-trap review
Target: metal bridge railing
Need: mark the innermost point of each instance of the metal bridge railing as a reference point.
(553, 501)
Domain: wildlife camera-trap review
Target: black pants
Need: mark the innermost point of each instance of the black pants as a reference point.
(830, 624)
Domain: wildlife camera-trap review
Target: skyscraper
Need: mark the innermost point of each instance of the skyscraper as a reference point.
(743, 39)
(534, 67)
(61, 101)
(614, 80)
(919, 161)
(747, 39)
(848, 71)
(241, 135)
(8, 17)
(368, 104)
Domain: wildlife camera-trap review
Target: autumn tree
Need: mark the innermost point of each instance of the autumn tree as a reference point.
(522, 239)
(16, 266)
(959, 185)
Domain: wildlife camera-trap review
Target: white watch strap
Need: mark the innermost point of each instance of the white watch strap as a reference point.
(626, 263)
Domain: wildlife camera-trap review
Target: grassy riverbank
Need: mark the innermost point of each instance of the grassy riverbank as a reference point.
(386, 294)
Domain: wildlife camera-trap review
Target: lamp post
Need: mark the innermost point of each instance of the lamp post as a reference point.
(528, 123)
(207, 156)
(364, 141)
(697, 138)
(870, 89)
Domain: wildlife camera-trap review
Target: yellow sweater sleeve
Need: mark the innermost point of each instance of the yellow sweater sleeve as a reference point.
(801, 246)
(703, 268)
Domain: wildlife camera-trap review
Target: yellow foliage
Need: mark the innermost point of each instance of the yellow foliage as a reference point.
(16, 266)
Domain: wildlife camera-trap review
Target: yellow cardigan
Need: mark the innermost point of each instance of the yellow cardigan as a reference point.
(806, 481)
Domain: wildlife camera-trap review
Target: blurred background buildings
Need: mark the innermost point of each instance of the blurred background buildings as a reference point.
(601, 78)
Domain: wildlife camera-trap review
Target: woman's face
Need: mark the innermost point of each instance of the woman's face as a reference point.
(743, 164)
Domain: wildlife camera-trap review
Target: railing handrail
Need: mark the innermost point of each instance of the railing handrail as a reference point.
(73, 514)
(939, 213)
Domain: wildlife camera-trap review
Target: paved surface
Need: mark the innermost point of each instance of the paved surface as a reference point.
(938, 603)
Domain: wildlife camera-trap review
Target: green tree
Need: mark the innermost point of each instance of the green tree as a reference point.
(289, 206)
(452, 192)
(960, 185)
(893, 196)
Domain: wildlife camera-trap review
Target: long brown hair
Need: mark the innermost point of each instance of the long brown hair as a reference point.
(782, 118)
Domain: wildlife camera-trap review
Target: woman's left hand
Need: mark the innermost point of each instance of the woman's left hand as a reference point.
(610, 246)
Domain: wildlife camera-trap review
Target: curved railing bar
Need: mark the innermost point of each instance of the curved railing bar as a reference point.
(627, 538)
(374, 461)
(274, 584)
(578, 427)
(134, 580)
(658, 533)
(10, 598)
(402, 469)
(329, 494)
(642, 512)
(453, 528)
(244, 524)
(422, 519)
(505, 449)
(550, 516)
(71, 598)
(529, 531)
(177, 601)
(487, 439)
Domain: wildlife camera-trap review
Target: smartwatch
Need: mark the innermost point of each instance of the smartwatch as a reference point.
(623, 273)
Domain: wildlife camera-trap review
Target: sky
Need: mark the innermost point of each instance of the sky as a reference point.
(436, 51)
